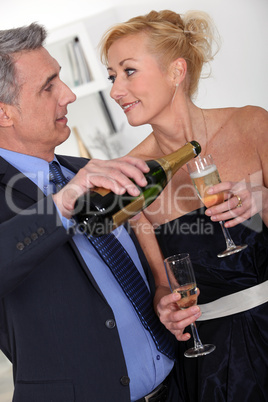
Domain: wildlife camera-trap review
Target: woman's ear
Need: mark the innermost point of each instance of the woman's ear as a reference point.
(5, 120)
(179, 70)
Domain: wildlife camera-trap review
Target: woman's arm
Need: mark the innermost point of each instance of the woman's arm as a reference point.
(253, 189)
(165, 305)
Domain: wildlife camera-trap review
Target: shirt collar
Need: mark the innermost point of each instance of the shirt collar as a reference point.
(36, 169)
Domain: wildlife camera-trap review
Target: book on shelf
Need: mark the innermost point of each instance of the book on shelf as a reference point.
(79, 65)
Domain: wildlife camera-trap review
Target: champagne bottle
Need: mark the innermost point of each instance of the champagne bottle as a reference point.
(99, 211)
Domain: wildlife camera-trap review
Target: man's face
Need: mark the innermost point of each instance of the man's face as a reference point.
(39, 120)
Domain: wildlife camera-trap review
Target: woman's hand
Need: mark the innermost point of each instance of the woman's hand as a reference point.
(174, 319)
(242, 200)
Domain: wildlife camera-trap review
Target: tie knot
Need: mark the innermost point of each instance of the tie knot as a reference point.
(56, 176)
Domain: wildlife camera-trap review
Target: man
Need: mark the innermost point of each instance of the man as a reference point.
(65, 322)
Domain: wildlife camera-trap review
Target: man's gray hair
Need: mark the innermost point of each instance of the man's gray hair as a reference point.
(13, 41)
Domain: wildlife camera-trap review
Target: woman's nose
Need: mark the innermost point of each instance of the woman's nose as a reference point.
(118, 90)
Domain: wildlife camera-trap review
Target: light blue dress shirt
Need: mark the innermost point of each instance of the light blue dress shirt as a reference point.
(147, 367)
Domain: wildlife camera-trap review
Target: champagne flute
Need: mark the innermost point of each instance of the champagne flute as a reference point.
(204, 174)
(181, 280)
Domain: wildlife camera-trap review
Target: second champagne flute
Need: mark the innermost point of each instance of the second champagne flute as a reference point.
(204, 174)
(181, 280)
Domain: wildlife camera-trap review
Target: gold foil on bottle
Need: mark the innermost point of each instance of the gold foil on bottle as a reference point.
(128, 211)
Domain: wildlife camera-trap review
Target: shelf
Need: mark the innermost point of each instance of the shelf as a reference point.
(59, 43)
(81, 70)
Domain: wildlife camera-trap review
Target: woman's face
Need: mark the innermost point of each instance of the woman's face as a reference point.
(140, 87)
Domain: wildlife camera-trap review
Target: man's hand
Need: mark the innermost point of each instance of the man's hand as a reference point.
(114, 175)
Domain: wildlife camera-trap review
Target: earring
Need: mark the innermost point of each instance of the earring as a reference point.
(175, 92)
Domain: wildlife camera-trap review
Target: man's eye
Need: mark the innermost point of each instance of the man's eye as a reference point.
(111, 78)
(130, 71)
(49, 88)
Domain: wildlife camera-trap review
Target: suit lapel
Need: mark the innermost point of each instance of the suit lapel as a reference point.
(75, 164)
(13, 179)
(72, 163)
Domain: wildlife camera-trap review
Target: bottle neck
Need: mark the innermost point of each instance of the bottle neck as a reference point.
(177, 159)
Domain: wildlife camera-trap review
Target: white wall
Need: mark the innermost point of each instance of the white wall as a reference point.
(239, 71)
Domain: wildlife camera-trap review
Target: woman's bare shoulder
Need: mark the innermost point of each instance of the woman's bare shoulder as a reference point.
(247, 115)
(247, 121)
(244, 112)
(251, 114)
(252, 123)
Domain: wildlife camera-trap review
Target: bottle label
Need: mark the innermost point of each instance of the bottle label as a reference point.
(101, 191)
(128, 211)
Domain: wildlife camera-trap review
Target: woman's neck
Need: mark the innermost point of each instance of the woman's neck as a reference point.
(187, 124)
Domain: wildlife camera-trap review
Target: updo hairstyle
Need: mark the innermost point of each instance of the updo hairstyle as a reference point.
(170, 36)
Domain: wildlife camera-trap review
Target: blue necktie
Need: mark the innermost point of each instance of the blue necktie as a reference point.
(132, 283)
(123, 268)
(56, 176)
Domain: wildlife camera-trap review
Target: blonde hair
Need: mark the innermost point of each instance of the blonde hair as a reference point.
(170, 36)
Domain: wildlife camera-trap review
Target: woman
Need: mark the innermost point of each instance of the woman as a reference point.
(154, 63)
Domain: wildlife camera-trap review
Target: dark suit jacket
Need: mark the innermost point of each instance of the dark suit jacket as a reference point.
(56, 326)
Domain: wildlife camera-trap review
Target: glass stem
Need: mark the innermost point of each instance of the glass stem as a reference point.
(197, 342)
(229, 242)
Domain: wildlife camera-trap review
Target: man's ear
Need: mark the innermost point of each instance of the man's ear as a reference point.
(5, 119)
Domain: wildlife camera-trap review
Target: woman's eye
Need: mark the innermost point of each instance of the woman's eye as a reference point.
(111, 78)
(130, 71)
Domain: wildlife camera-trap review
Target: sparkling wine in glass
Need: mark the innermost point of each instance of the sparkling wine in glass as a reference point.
(181, 280)
(204, 174)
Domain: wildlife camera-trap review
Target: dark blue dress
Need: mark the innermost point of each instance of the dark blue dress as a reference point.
(237, 371)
